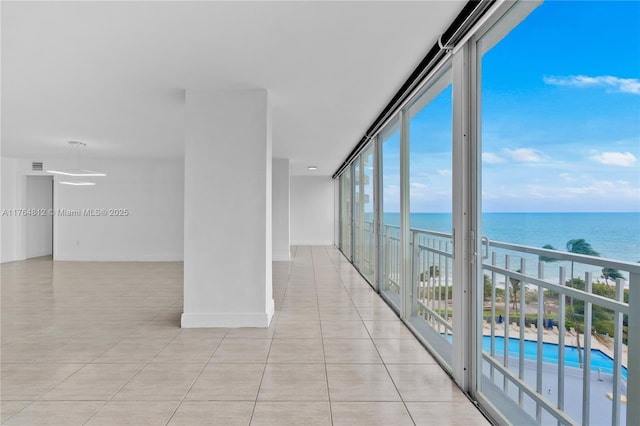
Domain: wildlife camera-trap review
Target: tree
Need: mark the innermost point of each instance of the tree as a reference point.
(611, 274)
(578, 246)
(548, 259)
(434, 272)
(516, 288)
(488, 286)
(581, 246)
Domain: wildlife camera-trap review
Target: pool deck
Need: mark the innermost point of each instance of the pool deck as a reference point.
(601, 384)
(600, 405)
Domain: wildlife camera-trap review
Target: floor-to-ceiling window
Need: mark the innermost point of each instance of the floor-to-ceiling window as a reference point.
(560, 140)
(390, 208)
(365, 256)
(430, 130)
(357, 219)
(519, 158)
(345, 212)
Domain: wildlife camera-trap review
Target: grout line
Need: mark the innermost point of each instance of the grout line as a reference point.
(37, 332)
(324, 357)
(196, 378)
(132, 377)
(255, 402)
(378, 352)
(57, 383)
(286, 289)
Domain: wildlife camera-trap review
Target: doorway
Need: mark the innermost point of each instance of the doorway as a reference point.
(39, 220)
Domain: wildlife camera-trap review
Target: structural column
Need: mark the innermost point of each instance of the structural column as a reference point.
(281, 209)
(227, 210)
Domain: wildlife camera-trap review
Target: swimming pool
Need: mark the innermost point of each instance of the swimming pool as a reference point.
(599, 360)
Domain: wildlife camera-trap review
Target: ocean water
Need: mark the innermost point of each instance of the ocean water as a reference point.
(613, 235)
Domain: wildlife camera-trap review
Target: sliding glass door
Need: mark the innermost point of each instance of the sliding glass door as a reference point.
(507, 220)
(558, 199)
(345, 213)
(430, 140)
(390, 213)
(365, 256)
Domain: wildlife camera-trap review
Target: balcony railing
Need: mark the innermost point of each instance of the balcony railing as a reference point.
(391, 268)
(537, 360)
(562, 313)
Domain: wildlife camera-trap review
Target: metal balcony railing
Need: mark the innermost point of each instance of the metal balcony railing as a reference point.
(564, 314)
(555, 341)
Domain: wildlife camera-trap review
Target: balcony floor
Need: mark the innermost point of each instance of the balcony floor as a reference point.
(100, 344)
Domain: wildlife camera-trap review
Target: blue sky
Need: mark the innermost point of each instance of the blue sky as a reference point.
(560, 117)
(561, 111)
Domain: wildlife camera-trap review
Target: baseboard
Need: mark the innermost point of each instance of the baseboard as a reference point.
(281, 257)
(229, 320)
(312, 243)
(12, 260)
(118, 258)
(271, 309)
(39, 254)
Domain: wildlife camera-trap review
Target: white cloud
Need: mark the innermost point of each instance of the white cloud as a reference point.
(491, 158)
(567, 177)
(621, 159)
(616, 84)
(527, 155)
(444, 172)
(593, 191)
(391, 191)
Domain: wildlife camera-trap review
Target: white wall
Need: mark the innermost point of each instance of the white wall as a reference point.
(39, 227)
(9, 201)
(336, 212)
(152, 192)
(312, 211)
(281, 209)
(228, 217)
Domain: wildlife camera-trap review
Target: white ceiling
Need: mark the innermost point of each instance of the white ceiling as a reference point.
(113, 74)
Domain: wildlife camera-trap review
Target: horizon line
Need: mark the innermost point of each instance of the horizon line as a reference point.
(528, 212)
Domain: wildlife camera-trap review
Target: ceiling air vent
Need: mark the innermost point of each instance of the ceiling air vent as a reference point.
(36, 166)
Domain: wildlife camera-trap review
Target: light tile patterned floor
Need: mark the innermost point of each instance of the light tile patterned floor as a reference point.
(100, 344)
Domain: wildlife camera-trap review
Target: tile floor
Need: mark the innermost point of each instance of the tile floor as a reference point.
(88, 343)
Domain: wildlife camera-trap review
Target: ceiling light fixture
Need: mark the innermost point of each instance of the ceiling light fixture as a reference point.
(76, 149)
(76, 172)
(78, 183)
(312, 167)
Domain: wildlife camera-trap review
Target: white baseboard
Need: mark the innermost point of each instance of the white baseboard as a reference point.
(312, 243)
(12, 260)
(39, 254)
(228, 320)
(281, 257)
(118, 258)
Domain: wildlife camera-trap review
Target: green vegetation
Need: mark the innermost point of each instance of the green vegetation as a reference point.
(547, 259)
(434, 271)
(516, 287)
(611, 274)
(603, 320)
(436, 292)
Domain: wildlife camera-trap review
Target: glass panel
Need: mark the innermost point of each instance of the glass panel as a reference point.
(363, 211)
(390, 235)
(357, 219)
(368, 174)
(345, 212)
(430, 147)
(560, 177)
